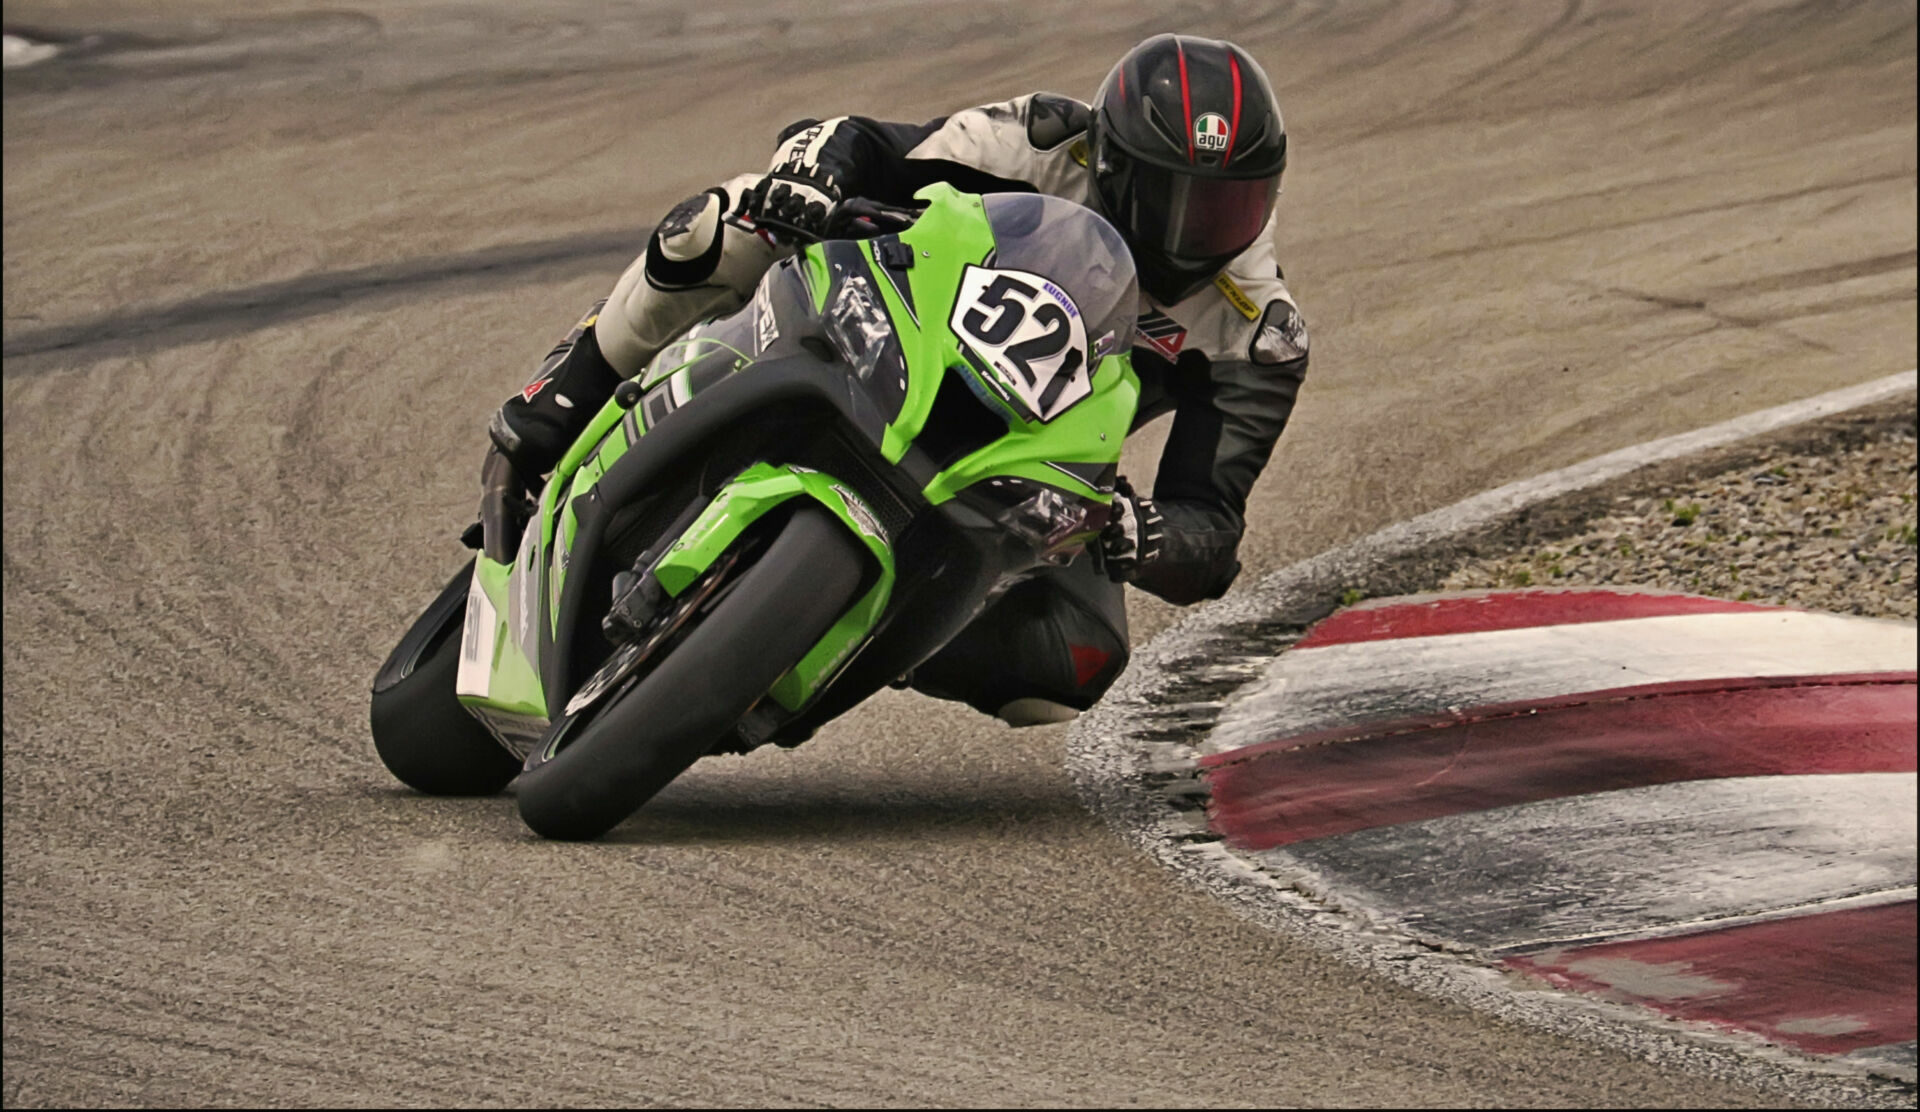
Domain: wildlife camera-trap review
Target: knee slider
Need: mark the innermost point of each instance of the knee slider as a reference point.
(685, 248)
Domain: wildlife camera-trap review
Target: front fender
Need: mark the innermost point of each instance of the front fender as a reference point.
(746, 499)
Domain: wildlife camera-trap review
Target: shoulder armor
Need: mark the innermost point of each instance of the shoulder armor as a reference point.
(1281, 336)
(1053, 119)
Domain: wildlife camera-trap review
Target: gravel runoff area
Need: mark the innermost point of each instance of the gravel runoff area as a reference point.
(1825, 529)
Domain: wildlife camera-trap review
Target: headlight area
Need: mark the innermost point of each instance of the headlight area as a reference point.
(1057, 524)
(859, 329)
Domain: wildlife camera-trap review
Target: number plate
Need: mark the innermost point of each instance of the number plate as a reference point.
(1030, 332)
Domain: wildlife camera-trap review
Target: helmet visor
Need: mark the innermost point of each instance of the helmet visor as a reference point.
(1185, 217)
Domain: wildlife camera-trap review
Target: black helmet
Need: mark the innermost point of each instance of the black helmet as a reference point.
(1188, 148)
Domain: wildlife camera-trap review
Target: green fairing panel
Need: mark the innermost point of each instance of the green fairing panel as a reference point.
(1092, 432)
(949, 236)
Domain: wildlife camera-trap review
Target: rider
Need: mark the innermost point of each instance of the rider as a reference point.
(1182, 150)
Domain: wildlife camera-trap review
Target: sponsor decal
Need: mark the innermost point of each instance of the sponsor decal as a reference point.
(1210, 132)
(863, 517)
(533, 389)
(475, 674)
(765, 328)
(1163, 334)
(1060, 296)
(1236, 296)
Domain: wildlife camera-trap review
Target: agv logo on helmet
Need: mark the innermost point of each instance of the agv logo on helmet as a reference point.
(1210, 132)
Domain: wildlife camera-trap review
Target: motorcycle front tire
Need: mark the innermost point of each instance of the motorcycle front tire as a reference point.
(781, 606)
(423, 735)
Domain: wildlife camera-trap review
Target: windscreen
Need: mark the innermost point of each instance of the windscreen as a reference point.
(1055, 297)
(1079, 251)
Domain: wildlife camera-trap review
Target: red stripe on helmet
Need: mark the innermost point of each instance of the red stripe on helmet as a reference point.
(1233, 129)
(1186, 96)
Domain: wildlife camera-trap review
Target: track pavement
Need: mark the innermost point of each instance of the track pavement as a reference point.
(266, 269)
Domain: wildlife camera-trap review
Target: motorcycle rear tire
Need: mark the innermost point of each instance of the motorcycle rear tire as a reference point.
(423, 735)
(782, 605)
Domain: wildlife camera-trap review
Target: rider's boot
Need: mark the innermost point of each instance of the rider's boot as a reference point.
(1046, 650)
(534, 428)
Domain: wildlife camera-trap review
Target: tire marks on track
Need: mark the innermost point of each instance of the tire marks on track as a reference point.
(246, 309)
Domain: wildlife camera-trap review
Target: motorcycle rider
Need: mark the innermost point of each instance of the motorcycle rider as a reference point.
(1182, 150)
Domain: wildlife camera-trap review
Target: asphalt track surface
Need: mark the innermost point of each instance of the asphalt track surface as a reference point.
(268, 268)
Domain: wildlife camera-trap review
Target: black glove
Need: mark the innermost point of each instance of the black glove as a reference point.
(796, 201)
(1132, 537)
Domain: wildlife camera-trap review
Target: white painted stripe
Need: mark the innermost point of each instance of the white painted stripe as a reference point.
(1585, 868)
(1339, 685)
(1879, 897)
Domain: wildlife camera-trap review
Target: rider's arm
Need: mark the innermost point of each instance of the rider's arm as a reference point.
(1224, 429)
(1019, 145)
(1233, 390)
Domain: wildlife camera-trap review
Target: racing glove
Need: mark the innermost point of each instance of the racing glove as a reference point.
(1133, 534)
(798, 195)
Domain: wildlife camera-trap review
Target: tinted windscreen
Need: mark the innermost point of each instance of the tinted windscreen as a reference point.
(1075, 248)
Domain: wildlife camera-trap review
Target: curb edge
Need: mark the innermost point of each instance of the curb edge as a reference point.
(1173, 688)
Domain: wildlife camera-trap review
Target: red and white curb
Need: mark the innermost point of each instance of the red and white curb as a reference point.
(1699, 806)
(1456, 860)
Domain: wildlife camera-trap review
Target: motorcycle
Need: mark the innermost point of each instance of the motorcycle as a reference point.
(790, 507)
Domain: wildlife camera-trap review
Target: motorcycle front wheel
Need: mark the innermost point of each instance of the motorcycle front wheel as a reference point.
(779, 608)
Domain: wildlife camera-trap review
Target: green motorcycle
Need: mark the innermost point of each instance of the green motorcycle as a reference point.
(790, 507)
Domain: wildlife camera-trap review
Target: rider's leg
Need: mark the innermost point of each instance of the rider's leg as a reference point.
(694, 267)
(1043, 652)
